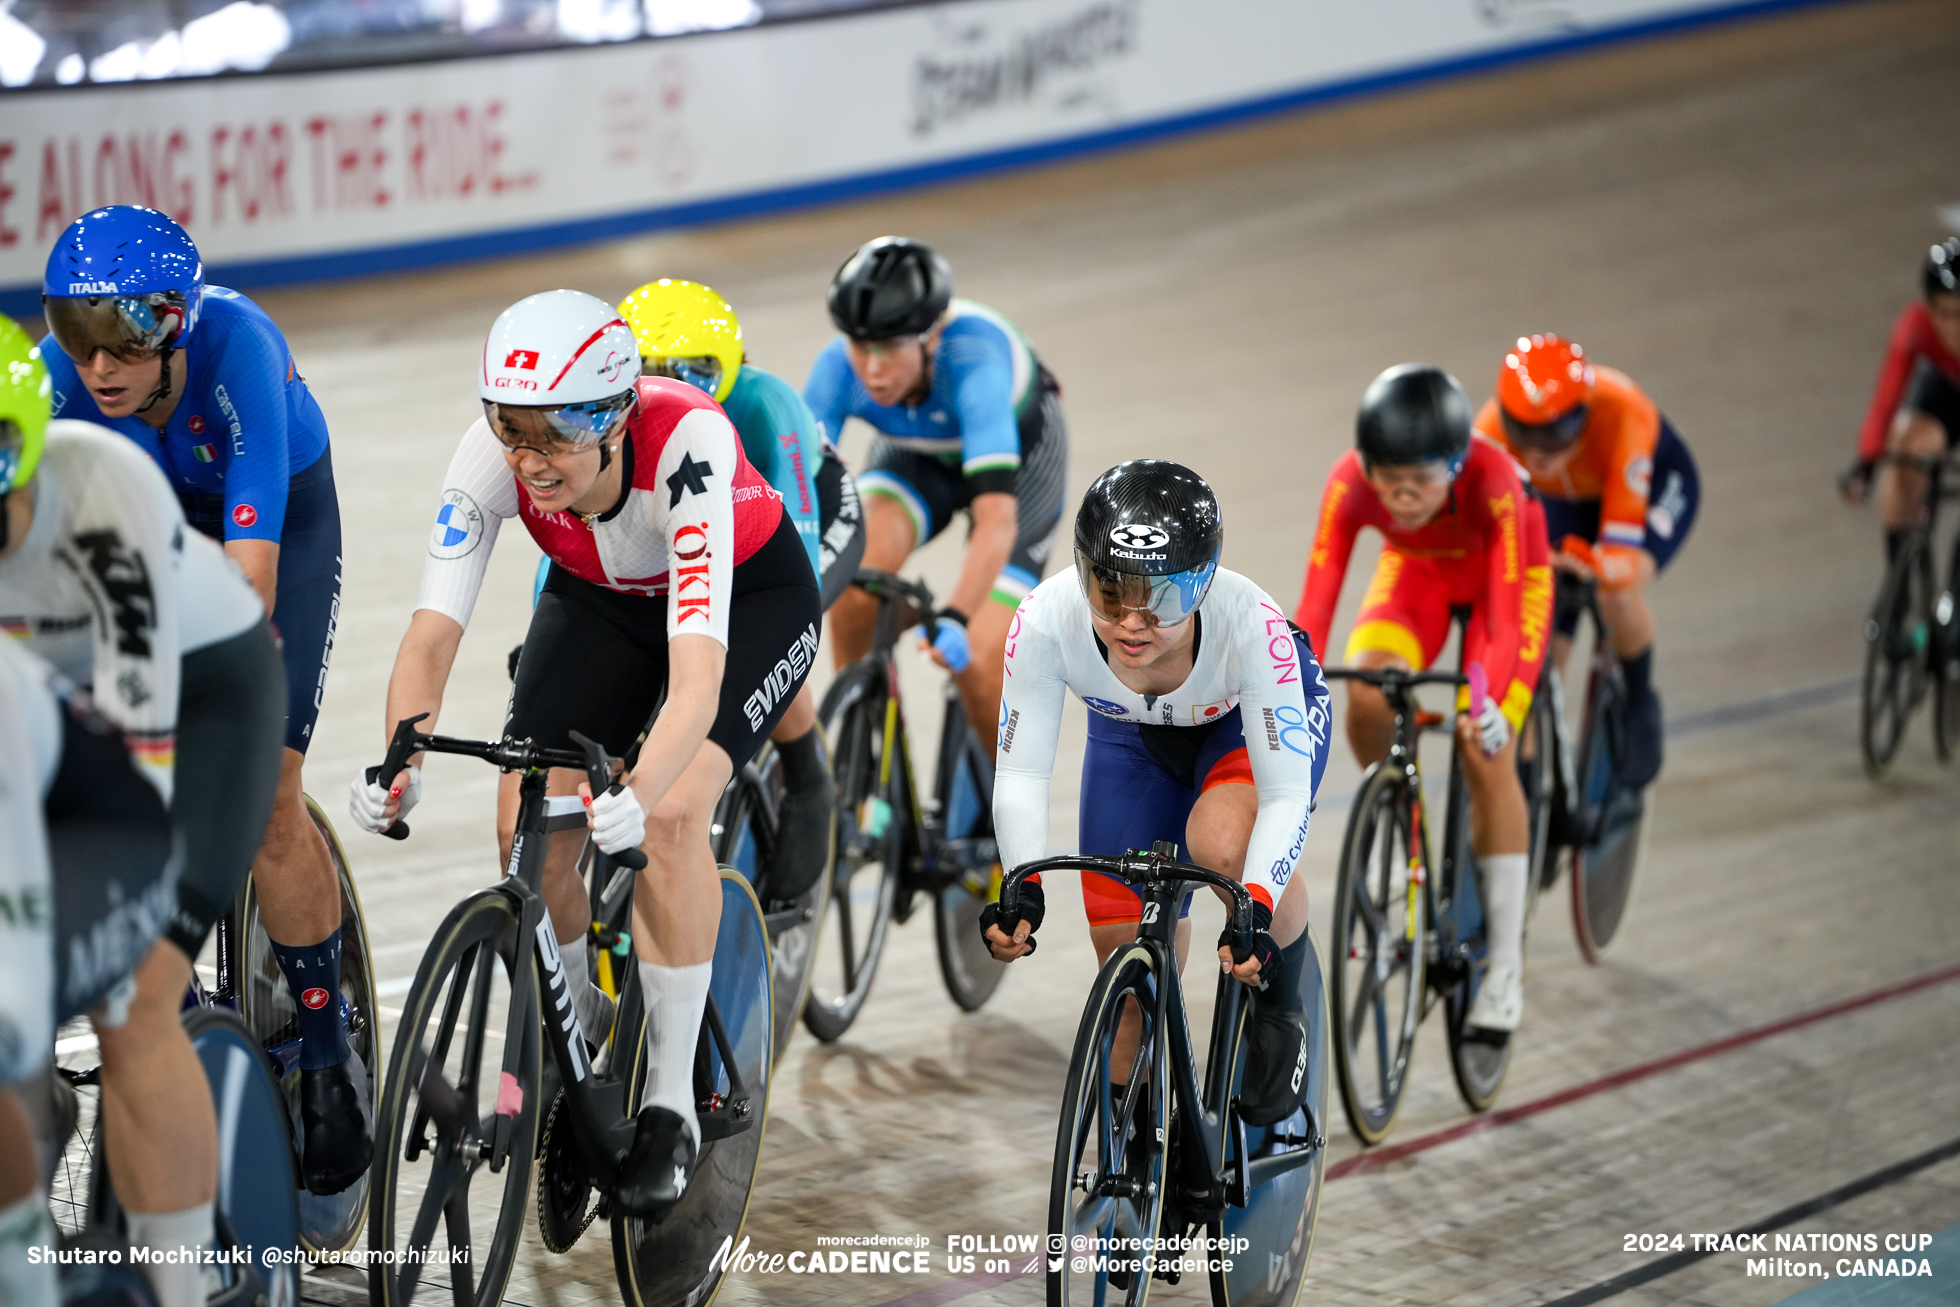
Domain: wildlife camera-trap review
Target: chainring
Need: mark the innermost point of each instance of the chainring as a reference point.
(565, 1200)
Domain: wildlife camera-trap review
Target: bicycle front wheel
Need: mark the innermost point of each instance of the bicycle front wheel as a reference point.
(1606, 859)
(1945, 660)
(861, 719)
(456, 1132)
(1106, 1194)
(331, 1222)
(1897, 635)
(1380, 924)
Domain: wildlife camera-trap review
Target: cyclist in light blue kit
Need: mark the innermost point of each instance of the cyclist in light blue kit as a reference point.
(967, 418)
(200, 379)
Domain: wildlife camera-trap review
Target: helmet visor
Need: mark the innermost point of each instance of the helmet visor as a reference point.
(128, 326)
(1547, 437)
(703, 372)
(1163, 600)
(578, 425)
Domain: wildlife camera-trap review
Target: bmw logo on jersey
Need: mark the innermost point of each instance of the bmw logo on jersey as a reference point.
(458, 528)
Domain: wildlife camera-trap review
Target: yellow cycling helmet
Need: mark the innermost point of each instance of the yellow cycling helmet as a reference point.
(687, 332)
(25, 398)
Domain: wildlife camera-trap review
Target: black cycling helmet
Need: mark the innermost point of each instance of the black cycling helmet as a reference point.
(1413, 413)
(1941, 275)
(1147, 539)
(891, 287)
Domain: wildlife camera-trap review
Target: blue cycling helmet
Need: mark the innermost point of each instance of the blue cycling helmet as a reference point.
(126, 279)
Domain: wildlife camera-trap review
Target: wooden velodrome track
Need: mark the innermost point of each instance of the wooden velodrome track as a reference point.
(1734, 217)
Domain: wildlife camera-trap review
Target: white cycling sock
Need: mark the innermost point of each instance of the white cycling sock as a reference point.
(675, 998)
(24, 1225)
(1504, 877)
(587, 997)
(176, 1241)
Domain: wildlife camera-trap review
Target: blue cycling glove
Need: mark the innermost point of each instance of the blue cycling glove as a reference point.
(949, 638)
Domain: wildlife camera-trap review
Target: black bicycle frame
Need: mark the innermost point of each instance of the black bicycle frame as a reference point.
(1162, 882)
(599, 1119)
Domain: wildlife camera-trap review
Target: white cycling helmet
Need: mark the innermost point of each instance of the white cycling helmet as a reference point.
(565, 357)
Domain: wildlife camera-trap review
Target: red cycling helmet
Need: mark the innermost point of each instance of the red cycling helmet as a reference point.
(1544, 392)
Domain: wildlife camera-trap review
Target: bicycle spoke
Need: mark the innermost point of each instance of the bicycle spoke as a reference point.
(456, 1222)
(1365, 996)
(435, 1198)
(847, 937)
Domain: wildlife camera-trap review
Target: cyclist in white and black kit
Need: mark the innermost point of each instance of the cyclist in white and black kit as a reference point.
(674, 569)
(100, 576)
(1208, 728)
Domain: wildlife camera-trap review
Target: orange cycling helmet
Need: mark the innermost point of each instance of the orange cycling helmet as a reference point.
(1544, 392)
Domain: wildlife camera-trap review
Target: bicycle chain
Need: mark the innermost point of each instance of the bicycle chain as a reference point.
(546, 1222)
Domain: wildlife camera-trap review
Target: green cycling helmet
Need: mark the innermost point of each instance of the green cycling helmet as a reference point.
(25, 398)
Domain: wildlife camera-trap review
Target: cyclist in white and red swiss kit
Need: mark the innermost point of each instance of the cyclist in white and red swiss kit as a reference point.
(675, 569)
(1208, 728)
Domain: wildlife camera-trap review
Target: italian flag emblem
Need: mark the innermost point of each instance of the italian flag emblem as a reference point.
(205, 453)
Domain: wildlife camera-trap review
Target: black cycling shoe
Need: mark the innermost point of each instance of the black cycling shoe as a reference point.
(335, 1125)
(806, 821)
(1275, 1082)
(1640, 753)
(658, 1165)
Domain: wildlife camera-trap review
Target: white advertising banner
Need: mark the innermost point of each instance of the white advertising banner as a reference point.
(290, 176)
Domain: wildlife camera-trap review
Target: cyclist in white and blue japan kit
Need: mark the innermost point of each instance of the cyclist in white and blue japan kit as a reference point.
(967, 418)
(1208, 728)
(688, 332)
(200, 379)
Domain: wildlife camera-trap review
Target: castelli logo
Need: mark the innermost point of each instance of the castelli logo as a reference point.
(314, 998)
(197, 424)
(244, 515)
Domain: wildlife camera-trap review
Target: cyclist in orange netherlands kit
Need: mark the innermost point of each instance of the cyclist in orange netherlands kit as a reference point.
(1459, 530)
(1620, 492)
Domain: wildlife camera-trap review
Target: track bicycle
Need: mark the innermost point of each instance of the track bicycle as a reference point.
(248, 981)
(1409, 929)
(524, 1084)
(894, 844)
(256, 1214)
(1154, 1174)
(1587, 817)
(1911, 641)
(745, 835)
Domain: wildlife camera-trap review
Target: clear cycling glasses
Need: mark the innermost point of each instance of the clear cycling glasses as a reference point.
(579, 425)
(128, 326)
(703, 373)
(1163, 600)
(1548, 437)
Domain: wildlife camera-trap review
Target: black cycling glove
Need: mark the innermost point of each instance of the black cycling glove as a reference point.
(1033, 907)
(1855, 481)
(1261, 947)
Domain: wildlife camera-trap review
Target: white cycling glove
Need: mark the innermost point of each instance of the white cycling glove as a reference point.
(1493, 728)
(367, 801)
(618, 821)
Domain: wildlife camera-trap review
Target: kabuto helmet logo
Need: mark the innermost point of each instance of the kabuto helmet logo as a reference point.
(1140, 536)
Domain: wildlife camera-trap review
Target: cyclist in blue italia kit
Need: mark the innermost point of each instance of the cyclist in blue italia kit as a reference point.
(688, 332)
(201, 380)
(967, 418)
(1208, 728)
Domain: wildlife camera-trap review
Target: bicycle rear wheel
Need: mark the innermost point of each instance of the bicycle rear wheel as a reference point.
(1897, 635)
(256, 1182)
(1108, 1179)
(671, 1262)
(1538, 774)
(451, 1116)
(1945, 659)
(1287, 1162)
(1614, 819)
(1380, 925)
(332, 1222)
(746, 835)
(860, 717)
(1478, 1058)
(965, 790)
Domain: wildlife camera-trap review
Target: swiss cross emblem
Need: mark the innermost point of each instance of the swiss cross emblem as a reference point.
(522, 358)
